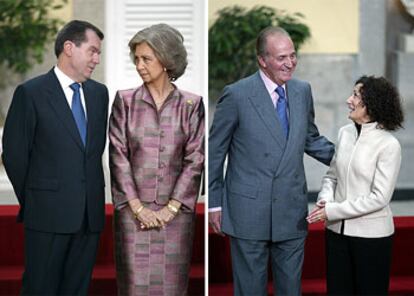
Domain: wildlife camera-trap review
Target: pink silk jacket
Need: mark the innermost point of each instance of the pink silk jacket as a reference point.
(156, 155)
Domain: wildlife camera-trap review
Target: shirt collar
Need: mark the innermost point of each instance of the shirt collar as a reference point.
(269, 84)
(64, 80)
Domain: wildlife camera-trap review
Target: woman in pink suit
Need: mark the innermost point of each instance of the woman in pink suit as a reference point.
(156, 156)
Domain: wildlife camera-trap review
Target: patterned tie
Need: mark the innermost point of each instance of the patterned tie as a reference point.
(281, 108)
(78, 111)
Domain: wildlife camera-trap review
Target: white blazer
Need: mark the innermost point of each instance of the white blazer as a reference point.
(360, 182)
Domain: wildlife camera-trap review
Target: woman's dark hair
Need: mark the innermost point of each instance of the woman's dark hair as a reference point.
(74, 31)
(382, 101)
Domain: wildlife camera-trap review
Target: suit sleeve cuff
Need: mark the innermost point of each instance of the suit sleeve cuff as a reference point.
(215, 209)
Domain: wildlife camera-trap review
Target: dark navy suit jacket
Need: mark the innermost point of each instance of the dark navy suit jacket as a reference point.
(55, 177)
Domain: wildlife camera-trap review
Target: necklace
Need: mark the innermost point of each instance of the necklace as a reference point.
(160, 102)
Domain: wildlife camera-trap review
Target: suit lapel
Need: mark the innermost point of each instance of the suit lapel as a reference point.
(262, 102)
(296, 114)
(60, 105)
(90, 102)
(294, 105)
(144, 95)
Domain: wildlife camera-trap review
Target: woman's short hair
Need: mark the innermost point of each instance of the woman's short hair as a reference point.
(382, 101)
(168, 46)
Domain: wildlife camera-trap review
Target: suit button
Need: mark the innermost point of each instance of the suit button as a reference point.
(266, 154)
(162, 149)
(160, 179)
(162, 134)
(162, 165)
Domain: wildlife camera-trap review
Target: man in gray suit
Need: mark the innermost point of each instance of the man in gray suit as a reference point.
(264, 123)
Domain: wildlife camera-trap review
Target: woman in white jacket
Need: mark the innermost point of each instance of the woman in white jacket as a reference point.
(357, 189)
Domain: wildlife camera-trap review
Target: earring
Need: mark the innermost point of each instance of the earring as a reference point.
(165, 69)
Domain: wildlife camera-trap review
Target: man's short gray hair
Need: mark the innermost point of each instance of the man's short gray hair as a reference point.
(261, 40)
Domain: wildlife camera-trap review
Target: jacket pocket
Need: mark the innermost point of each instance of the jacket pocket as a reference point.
(244, 190)
(44, 184)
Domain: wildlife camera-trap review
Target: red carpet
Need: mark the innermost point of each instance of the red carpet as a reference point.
(313, 278)
(103, 282)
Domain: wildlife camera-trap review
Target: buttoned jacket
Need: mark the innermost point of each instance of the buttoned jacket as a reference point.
(156, 155)
(263, 194)
(360, 181)
(57, 179)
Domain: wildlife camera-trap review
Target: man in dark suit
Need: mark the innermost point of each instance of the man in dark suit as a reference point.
(263, 124)
(53, 141)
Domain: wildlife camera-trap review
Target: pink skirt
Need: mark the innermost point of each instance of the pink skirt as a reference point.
(153, 262)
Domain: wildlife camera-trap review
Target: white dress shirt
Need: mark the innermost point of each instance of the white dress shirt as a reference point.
(65, 82)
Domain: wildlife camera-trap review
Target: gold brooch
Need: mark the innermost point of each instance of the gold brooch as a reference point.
(190, 102)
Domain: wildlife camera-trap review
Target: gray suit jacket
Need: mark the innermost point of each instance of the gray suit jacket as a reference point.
(264, 194)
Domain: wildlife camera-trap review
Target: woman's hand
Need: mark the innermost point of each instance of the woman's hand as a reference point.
(167, 213)
(164, 216)
(321, 203)
(318, 214)
(146, 216)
